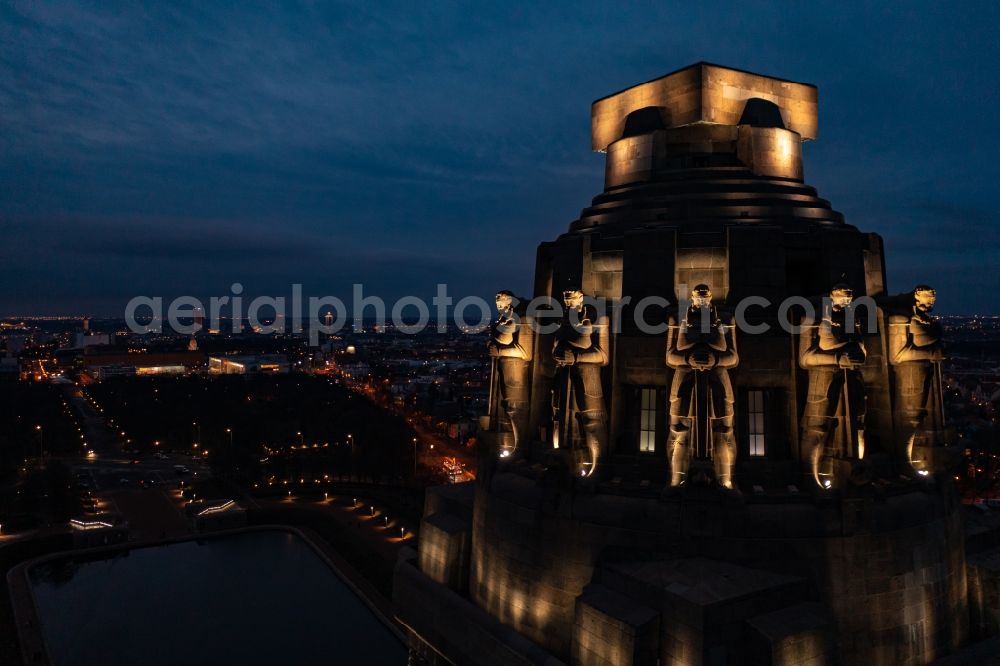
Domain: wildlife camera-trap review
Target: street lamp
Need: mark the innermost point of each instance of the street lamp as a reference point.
(414, 457)
(41, 448)
(197, 427)
(301, 440)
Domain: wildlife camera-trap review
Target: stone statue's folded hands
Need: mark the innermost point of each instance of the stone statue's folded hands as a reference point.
(564, 355)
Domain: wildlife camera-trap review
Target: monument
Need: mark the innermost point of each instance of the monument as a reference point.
(733, 449)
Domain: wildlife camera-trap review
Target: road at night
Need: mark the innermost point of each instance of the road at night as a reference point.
(434, 451)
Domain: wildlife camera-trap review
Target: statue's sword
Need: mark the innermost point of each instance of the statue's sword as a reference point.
(847, 416)
(492, 410)
(568, 393)
(939, 405)
(695, 451)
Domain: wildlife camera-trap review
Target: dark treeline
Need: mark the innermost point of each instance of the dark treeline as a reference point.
(262, 412)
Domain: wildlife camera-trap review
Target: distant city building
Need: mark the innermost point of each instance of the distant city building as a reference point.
(248, 365)
(104, 364)
(356, 370)
(102, 372)
(85, 339)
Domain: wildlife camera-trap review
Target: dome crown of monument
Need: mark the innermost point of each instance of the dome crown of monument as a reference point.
(707, 93)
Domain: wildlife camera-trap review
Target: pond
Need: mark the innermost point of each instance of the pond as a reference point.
(260, 597)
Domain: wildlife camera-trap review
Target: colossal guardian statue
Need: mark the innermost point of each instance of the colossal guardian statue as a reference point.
(915, 352)
(580, 350)
(510, 348)
(701, 348)
(833, 353)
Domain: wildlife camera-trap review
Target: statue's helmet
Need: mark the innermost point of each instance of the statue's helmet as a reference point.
(701, 295)
(505, 299)
(841, 290)
(924, 297)
(841, 295)
(572, 298)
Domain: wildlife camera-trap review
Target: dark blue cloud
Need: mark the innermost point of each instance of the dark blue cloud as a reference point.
(185, 146)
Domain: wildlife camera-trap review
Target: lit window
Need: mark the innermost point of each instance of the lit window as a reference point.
(647, 421)
(755, 422)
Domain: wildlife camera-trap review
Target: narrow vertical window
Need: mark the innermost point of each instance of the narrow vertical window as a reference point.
(647, 421)
(755, 422)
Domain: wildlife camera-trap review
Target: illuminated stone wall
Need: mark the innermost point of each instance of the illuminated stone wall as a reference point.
(889, 571)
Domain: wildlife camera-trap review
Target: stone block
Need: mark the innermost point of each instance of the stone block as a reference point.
(983, 570)
(445, 550)
(793, 636)
(613, 629)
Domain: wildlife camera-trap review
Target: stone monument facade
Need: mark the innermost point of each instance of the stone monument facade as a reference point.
(730, 446)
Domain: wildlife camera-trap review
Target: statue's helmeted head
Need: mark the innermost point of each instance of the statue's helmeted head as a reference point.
(924, 298)
(841, 296)
(573, 298)
(505, 300)
(701, 296)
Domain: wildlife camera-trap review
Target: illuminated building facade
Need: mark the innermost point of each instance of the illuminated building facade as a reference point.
(104, 365)
(267, 364)
(768, 487)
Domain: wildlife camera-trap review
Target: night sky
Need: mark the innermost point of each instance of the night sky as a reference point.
(180, 147)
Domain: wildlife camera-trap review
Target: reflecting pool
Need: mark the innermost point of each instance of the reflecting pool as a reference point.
(262, 597)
